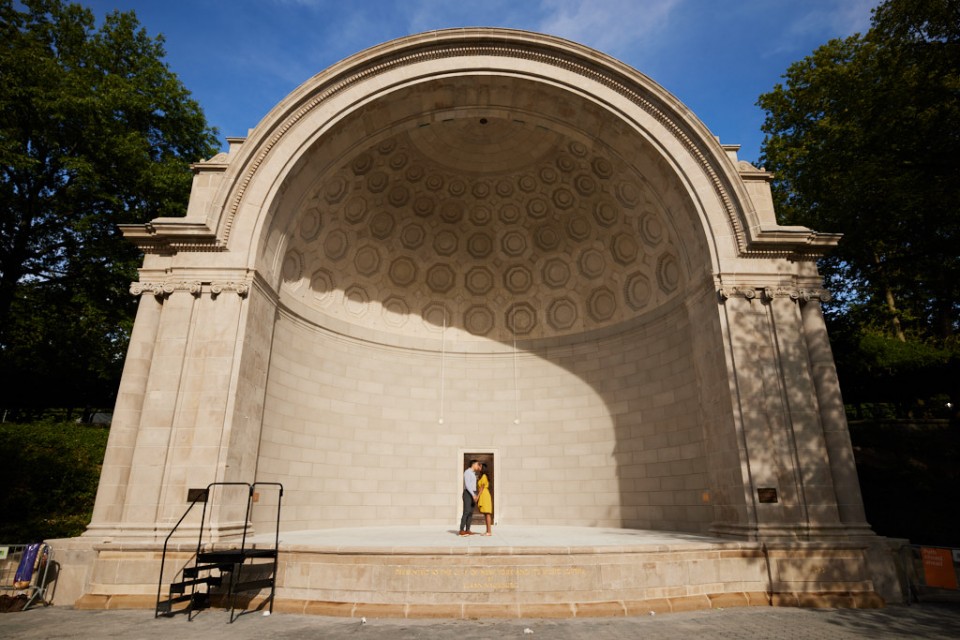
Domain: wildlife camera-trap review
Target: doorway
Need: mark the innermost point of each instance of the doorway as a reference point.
(484, 458)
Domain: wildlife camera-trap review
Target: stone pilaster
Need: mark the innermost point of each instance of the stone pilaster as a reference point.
(790, 418)
(153, 442)
(178, 388)
(111, 493)
(767, 460)
(815, 482)
(722, 446)
(833, 417)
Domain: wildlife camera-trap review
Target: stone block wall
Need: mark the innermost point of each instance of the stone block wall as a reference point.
(600, 432)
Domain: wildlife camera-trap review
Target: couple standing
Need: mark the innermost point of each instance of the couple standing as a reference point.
(476, 492)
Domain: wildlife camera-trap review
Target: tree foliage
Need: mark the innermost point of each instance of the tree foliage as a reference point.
(909, 477)
(863, 137)
(95, 130)
(52, 471)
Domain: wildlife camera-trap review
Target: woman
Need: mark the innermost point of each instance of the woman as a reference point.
(484, 499)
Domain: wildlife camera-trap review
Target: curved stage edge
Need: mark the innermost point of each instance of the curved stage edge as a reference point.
(518, 572)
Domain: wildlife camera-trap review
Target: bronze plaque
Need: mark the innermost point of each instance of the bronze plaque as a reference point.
(196, 495)
(767, 494)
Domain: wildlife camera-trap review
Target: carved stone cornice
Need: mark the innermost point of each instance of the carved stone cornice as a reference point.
(194, 288)
(767, 294)
(171, 235)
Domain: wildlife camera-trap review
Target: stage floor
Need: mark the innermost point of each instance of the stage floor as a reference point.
(505, 537)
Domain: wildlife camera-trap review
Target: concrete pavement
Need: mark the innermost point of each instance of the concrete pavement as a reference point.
(926, 620)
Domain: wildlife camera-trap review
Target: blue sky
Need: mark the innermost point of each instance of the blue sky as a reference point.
(240, 57)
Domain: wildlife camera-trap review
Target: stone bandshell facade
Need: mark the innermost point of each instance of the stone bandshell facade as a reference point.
(483, 240)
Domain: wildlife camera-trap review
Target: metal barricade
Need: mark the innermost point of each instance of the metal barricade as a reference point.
(23, 571)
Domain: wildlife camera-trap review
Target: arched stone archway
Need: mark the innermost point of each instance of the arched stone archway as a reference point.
(483, 240)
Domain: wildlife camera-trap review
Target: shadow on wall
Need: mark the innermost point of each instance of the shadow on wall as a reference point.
(643, 341)
(794, 429)
(602, 431)
(626, 441)
(456, 283)
(572, 259)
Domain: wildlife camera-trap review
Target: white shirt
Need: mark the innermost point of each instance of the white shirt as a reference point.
(470, 481)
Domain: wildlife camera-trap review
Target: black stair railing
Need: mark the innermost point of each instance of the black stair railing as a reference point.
(237, 586)
(229, 560)
(202, 563)
(191, 575)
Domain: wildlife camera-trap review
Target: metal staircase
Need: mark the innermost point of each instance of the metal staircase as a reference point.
(212, 567)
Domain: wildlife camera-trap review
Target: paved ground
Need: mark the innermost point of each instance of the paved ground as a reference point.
(918, 621)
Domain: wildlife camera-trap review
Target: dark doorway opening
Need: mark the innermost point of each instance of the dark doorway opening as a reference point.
(485, 458)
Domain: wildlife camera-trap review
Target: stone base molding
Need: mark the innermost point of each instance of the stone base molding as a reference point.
(614, 608)
(522, 582)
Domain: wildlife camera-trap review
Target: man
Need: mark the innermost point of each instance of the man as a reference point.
(469, 496)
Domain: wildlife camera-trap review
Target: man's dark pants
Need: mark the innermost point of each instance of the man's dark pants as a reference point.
(467, 511)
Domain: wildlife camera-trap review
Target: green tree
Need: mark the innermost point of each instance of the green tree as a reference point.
(52, 471)
(95, 130)
(864, 138)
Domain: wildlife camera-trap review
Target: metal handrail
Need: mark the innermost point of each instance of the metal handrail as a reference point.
(205, 496)
(203, 515)
(163, 556)
(243, 542)
(234, 575)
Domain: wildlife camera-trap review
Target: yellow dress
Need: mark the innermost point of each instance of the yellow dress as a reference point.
(484, 500)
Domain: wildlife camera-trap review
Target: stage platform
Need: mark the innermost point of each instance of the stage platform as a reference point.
(504, 539)
(519, 571)
(527, 571)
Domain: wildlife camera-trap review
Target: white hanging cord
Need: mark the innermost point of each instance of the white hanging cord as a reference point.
(443, 354)
(516, 386)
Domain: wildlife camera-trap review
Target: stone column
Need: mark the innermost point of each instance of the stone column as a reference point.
(240, 440)
(768, 457)
(790, 418)
(816, 487)
(195, 456)
(156, 423)
(721, 428)
(125, 425)
(176, 424)
(839, 450)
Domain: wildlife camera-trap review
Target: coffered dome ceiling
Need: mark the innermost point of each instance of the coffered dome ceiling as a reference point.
(488, 226)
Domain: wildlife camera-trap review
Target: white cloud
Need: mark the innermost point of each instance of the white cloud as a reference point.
(853, 16)
(833, 19)
(310, 4)
(607, 25)
(427, 15)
